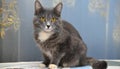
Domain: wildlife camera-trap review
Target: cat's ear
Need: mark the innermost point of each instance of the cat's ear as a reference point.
(38, 7)
(58, 8)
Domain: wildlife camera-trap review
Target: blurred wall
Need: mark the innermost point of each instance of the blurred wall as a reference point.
(91, 26)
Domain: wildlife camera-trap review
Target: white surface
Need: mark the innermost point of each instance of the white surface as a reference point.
(113, 67)
(36, 65)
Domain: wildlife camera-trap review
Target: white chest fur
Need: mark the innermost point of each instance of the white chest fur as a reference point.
(43, 36)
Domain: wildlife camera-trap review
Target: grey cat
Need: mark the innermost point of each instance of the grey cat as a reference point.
(59, 42)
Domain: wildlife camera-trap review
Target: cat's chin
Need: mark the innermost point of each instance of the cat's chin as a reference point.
(48, 30)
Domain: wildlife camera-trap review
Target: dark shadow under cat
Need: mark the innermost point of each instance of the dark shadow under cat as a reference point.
(59, 42)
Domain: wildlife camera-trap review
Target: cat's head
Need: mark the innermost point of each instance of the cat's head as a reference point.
(47, 19)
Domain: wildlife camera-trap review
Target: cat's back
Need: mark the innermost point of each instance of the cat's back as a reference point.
(69, 27)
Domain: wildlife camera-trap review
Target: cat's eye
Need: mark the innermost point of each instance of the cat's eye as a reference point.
(43, 19)
(53, 19)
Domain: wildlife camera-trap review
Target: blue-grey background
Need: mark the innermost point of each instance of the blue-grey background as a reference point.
(91, 26)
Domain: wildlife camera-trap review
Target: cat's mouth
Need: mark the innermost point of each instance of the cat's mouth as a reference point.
(48, 29)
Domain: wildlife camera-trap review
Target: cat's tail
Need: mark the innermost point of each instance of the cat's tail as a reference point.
(96, 64)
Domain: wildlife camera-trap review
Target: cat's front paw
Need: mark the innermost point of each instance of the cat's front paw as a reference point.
(100, 65)
(52, 66)
(42, 65)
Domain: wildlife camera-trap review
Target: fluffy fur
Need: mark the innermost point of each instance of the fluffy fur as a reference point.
(59, 41)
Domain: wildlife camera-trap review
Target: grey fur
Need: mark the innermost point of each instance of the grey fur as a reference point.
(64, 47)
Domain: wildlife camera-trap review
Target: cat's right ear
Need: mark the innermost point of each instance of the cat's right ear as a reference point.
(58, 8)
(38, 7)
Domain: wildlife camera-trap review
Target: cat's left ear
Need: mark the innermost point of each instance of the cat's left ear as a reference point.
(58, 8)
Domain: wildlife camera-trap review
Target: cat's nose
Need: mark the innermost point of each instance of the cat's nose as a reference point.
(48, 26)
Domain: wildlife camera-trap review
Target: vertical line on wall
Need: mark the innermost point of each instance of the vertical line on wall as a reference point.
(18, 55)
(19, 45)
(0, 38)
(107, 28)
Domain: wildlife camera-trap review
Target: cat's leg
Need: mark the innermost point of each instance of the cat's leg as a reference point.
(45, 63)
(46, 60)
(71, 64)
(54, 62)
(96, 64)
(69, 60)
